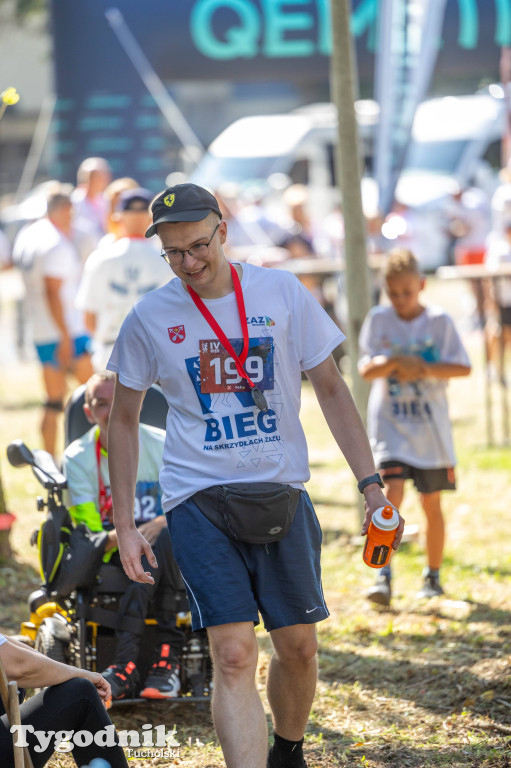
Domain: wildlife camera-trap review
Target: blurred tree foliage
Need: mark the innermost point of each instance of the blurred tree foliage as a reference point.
(25, 7)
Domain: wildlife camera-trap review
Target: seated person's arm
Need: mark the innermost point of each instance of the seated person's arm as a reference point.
(88, 514)
(31, 669)
(81, 487)
(151, 530)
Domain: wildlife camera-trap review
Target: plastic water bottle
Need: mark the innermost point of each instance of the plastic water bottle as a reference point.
(380, 536)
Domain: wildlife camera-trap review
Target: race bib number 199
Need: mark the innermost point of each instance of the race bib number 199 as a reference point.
(218, 372)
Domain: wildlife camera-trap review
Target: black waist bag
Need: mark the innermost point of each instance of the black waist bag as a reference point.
(255, 513)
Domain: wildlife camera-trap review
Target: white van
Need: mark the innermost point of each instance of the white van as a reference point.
(455, 141)
(272, 151)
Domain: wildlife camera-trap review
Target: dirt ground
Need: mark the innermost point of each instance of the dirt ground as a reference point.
(416, 685)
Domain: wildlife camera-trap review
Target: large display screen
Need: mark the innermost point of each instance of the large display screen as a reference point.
(104, 107)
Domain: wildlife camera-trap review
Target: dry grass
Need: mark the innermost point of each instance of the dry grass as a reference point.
(415, 685)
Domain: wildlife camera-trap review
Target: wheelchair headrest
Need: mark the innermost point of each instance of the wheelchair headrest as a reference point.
(154, 412)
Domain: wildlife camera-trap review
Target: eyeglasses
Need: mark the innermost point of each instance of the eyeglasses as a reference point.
(199, 251)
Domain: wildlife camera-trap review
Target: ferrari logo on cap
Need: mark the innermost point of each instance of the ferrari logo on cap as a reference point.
(177, 334)
(169, 200)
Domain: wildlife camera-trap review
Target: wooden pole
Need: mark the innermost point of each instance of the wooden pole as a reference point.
(343, 90)
(342, 85)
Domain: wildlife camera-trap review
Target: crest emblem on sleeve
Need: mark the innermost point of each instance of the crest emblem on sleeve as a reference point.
(177, 334)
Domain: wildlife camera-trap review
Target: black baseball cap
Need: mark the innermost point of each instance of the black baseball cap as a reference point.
(183, 202)
(138, 199)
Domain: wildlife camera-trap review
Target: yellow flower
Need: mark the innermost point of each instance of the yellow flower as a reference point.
(10, 96)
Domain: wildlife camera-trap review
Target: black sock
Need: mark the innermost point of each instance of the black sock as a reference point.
(290, 752)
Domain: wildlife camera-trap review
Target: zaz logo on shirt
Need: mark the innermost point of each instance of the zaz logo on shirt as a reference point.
(261, 320)
(177, 334)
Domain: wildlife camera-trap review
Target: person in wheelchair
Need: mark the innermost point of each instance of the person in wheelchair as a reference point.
(86, 470)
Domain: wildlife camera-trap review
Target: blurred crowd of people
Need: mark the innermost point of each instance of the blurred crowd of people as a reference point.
(86, 261)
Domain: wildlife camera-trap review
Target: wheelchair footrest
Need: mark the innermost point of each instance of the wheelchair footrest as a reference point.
(110, 619)
(176, 700)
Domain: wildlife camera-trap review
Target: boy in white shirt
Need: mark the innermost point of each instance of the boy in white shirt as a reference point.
(410, 351)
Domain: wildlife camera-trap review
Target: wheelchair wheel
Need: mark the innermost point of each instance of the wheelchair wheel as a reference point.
(51, 646)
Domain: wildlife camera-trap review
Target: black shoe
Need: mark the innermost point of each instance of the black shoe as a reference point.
(163, 680)
(381, 591)
(123, 679)
(430, 588)
(274, 762)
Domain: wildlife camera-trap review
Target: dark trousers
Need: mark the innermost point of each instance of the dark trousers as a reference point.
(163, 593)
(71, 706)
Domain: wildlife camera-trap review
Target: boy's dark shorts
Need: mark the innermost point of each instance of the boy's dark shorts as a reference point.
(505, 315)
(229, 582)
(425, 480)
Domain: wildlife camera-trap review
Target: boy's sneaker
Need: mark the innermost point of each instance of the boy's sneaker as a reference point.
(430, 588)
(274, 762)
(381, 591)
(163, 681)
(123, 679)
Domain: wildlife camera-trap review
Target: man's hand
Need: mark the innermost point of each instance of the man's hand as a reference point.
(374, 498)
(132, 546)
(152, 529)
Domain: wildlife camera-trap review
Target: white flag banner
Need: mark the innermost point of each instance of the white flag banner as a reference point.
(408, 42)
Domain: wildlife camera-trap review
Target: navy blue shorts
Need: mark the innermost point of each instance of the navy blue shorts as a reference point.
(229, 582)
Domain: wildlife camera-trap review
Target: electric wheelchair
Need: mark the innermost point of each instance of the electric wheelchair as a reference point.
(73, 615)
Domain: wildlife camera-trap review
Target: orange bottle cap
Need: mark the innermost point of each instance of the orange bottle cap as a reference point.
(387, 512)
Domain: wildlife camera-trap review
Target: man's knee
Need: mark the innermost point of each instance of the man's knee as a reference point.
(300, 647)
(78, 689)
(53, 406)
(234, 653)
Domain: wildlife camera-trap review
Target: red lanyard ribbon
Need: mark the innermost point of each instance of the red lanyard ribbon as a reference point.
(239, 360)
(105, 502)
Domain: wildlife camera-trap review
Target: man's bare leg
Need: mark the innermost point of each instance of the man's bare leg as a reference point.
(82, 368)
(292, 679)
(238, 713)
(54, 380)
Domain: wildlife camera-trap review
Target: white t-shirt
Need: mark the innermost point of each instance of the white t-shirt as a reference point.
(499, 252)
(114, 278)
(93, 213)
(80, 468)
(501, 208)
(409, 421)
(214, 434)
(40, 251)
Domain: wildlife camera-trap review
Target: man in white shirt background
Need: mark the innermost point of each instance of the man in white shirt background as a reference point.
(50, 265)
(115, 276)
(89, 201)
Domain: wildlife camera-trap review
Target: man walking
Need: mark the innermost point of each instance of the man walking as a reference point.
(228, 344)
(50, 265)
